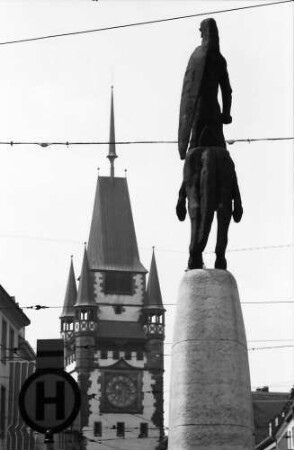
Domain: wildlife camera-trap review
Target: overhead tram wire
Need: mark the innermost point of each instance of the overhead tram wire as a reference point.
(38, 307)
(144, 23)
(136, 142)
(166, 250)
(86, 346)
(16, 357)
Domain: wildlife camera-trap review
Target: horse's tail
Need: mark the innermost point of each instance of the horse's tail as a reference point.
(208, 189)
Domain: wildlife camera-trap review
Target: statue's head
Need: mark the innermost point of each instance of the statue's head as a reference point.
(209, 34)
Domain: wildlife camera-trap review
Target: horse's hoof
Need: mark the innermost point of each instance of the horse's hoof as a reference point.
(221, 263)
(195, 264)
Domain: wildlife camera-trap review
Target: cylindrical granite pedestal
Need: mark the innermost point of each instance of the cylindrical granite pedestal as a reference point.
(210, 399)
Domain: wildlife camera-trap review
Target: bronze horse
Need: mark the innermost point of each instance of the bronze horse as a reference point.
(210, 185)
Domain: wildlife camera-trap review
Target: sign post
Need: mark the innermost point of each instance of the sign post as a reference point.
(50, 399)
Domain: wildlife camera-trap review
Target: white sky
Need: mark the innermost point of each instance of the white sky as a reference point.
(59, 90)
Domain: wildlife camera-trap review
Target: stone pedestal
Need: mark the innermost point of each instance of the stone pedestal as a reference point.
(210, 397)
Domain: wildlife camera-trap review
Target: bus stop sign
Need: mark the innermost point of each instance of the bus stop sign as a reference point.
(50, 399)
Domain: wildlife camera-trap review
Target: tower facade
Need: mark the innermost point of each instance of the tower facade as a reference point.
(116, 348)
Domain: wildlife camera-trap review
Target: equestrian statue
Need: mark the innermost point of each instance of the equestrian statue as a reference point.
(209, 178)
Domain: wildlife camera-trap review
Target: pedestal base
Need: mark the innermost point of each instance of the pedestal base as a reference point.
(210, 400)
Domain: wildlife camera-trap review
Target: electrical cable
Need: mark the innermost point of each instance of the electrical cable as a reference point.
(84, 143)
(147, 22)
(158, 249)
(270, 348)
(38, 307)
(16, 357)
(89, 346)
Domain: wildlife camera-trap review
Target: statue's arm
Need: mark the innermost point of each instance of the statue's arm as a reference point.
(226, 91)
(181, 209)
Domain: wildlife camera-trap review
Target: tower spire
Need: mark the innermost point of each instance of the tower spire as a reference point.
(71, 293)
(112, 152)
(85, 293)
(153, 297)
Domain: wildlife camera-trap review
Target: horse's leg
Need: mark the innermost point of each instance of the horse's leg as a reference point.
(195, 250)
(198, 242)
(223, 221)
(195, 259)
(207, 188)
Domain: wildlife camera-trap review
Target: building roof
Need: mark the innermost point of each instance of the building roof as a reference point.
(25, 351)
(112, 329)
(70, 294)
(267, 443)
(153, 299)
(85, 295)
(12, 310)
(266, 406)
(112, 241)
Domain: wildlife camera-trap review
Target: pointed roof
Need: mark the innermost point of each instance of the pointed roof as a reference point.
(70, 294)
(153, 299)
(85, 291)
(112, 152)
(112, 241)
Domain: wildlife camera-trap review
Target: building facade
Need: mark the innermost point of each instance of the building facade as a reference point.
(113, 329)
(16, 364)
(279, 433)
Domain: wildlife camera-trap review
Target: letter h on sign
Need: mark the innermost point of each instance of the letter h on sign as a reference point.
(42, 400)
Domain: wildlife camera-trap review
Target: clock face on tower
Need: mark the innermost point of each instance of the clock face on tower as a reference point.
(121, 391)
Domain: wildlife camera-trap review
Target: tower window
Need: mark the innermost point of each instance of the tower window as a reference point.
(128, 355)
(103, 354)
(118, 309)
(120, 429)
(143, 430)
(97, 429)
(119, 283)
(84, 314)
(115, 354)
(140, 355)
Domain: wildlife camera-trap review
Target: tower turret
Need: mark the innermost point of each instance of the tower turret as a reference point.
(85, 313)
(85, 326)
(153, 325)
(154, 320)
(67, 315)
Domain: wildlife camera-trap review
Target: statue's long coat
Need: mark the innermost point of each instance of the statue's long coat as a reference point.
(206, 70)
